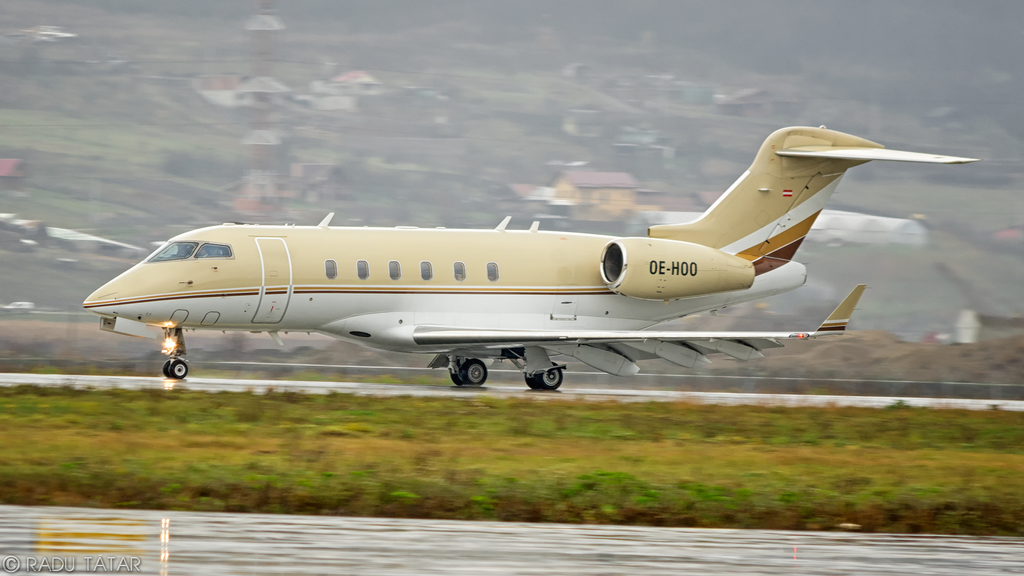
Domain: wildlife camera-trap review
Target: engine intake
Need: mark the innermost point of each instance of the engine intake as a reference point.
(659, 269)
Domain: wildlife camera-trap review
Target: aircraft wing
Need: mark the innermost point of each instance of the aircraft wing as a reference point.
(684, 348)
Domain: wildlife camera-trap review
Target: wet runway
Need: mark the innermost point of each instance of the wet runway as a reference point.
(174, 543)
(567, 391)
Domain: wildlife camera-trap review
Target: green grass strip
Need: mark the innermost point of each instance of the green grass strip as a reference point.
(662, 464)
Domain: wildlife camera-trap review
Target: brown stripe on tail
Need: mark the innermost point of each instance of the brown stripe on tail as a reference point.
(779, 249)
(775, 259)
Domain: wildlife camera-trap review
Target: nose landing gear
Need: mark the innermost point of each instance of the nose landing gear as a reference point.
(176, 368)
(174, 346)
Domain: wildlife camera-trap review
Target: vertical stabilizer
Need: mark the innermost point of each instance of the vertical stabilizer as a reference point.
(765, 215)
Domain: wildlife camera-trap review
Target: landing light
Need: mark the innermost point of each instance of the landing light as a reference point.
(169, 345)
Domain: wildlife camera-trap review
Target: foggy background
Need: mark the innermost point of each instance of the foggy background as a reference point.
(455, 113)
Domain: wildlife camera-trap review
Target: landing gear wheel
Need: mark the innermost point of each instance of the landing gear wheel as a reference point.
(177, 369)
(473, 373)
(548, 380)
(456, 379)
(167, 373)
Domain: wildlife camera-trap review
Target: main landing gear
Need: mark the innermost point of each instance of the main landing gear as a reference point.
(174, 346)
(538, 370)
(467, 372)
(549, 379)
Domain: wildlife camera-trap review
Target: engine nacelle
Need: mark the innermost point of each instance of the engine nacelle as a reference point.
(658, 269)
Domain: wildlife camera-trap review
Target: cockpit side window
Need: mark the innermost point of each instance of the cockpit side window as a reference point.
(175, 251)
(214, 251)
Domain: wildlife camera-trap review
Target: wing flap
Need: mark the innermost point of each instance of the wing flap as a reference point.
(610, 350)
(434, 336)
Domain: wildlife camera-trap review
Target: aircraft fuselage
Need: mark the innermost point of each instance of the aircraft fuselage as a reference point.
(375, 285)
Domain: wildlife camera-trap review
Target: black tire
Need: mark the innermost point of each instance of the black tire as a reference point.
(167, 365)
(177, 369)
(530, 382)
(456, 379)
(549, 380)
(473, 373)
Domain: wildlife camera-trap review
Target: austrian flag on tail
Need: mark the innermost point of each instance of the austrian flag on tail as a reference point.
(787, 193)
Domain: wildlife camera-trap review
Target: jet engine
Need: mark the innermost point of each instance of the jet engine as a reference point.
(659, 269)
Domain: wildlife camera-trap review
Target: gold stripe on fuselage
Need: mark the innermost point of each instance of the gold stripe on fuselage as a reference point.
(351, 290)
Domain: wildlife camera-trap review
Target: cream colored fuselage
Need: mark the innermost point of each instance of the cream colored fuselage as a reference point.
(277, 280)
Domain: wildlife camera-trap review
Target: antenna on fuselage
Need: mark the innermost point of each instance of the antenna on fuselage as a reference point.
(504, 223)
(326, 221)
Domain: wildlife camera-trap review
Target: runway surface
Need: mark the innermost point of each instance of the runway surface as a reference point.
(566, 392)
(175, 543)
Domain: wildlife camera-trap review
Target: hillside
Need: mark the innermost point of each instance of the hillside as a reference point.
(475, 97)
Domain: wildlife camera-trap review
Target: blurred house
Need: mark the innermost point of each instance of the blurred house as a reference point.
(529, 199)
(47, 34)
(222, 90)
(852, 227)
(13, 173)
(1011, 235)
(318, 182)
(973, 327)
(332, 103)
(597, 196)
(755, 103)
(583, 123)
(692, 94)
(87, 242)
(357, 83)
(23, 234)
(643, 152)
(751, 102)
(326, 97)
(259, 193)
(576, 71)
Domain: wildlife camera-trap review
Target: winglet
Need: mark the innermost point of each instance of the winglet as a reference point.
(326, 221)
(838, 319)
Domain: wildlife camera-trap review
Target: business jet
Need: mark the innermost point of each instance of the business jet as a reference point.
(473, 297)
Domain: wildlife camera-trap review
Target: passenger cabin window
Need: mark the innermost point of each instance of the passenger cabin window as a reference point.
(175, 251)
(214, 251)
(492, 271)
(426, 270)
(394, 270)
(331, 269)
(460, 271)
(363, 269)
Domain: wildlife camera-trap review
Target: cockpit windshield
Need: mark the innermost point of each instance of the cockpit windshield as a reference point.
(175, 251)
(214, 251)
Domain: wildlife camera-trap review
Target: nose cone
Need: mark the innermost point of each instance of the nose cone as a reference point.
(113, 292)
(104, 296)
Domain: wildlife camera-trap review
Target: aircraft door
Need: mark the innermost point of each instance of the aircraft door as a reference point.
(277, 280)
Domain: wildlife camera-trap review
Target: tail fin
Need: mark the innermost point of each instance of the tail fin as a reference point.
(765, 215)
(840, 317)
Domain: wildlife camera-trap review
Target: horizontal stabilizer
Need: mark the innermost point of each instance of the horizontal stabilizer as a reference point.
(838, 319)
(861, 153)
